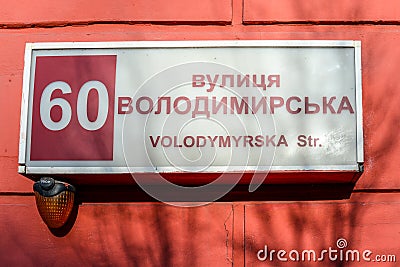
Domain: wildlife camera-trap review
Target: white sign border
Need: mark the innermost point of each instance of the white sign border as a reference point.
(30, 47)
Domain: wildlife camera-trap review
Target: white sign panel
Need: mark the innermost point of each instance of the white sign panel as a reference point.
(215, 106)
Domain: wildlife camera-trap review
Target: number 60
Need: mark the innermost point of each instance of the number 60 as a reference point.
(46, 104)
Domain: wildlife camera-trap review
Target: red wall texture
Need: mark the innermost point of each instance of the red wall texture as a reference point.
(230, 233)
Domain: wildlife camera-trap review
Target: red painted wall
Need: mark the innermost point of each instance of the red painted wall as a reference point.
(140, 233)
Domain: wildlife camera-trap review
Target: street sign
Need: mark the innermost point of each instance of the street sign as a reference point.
(191, 107)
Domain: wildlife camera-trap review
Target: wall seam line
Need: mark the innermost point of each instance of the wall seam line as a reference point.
(62, 24)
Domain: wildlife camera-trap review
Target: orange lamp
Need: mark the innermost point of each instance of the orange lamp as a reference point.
(54, 201)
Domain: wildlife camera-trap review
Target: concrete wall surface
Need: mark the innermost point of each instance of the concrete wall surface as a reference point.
(238, 230)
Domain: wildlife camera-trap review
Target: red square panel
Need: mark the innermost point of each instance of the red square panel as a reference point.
(73, 108)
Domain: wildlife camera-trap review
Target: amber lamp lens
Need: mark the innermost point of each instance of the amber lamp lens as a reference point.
(54, 200)
(55, 210)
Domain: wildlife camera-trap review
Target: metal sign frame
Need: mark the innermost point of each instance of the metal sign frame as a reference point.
(31, 47)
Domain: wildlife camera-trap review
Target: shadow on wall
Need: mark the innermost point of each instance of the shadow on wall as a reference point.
(134, 194)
